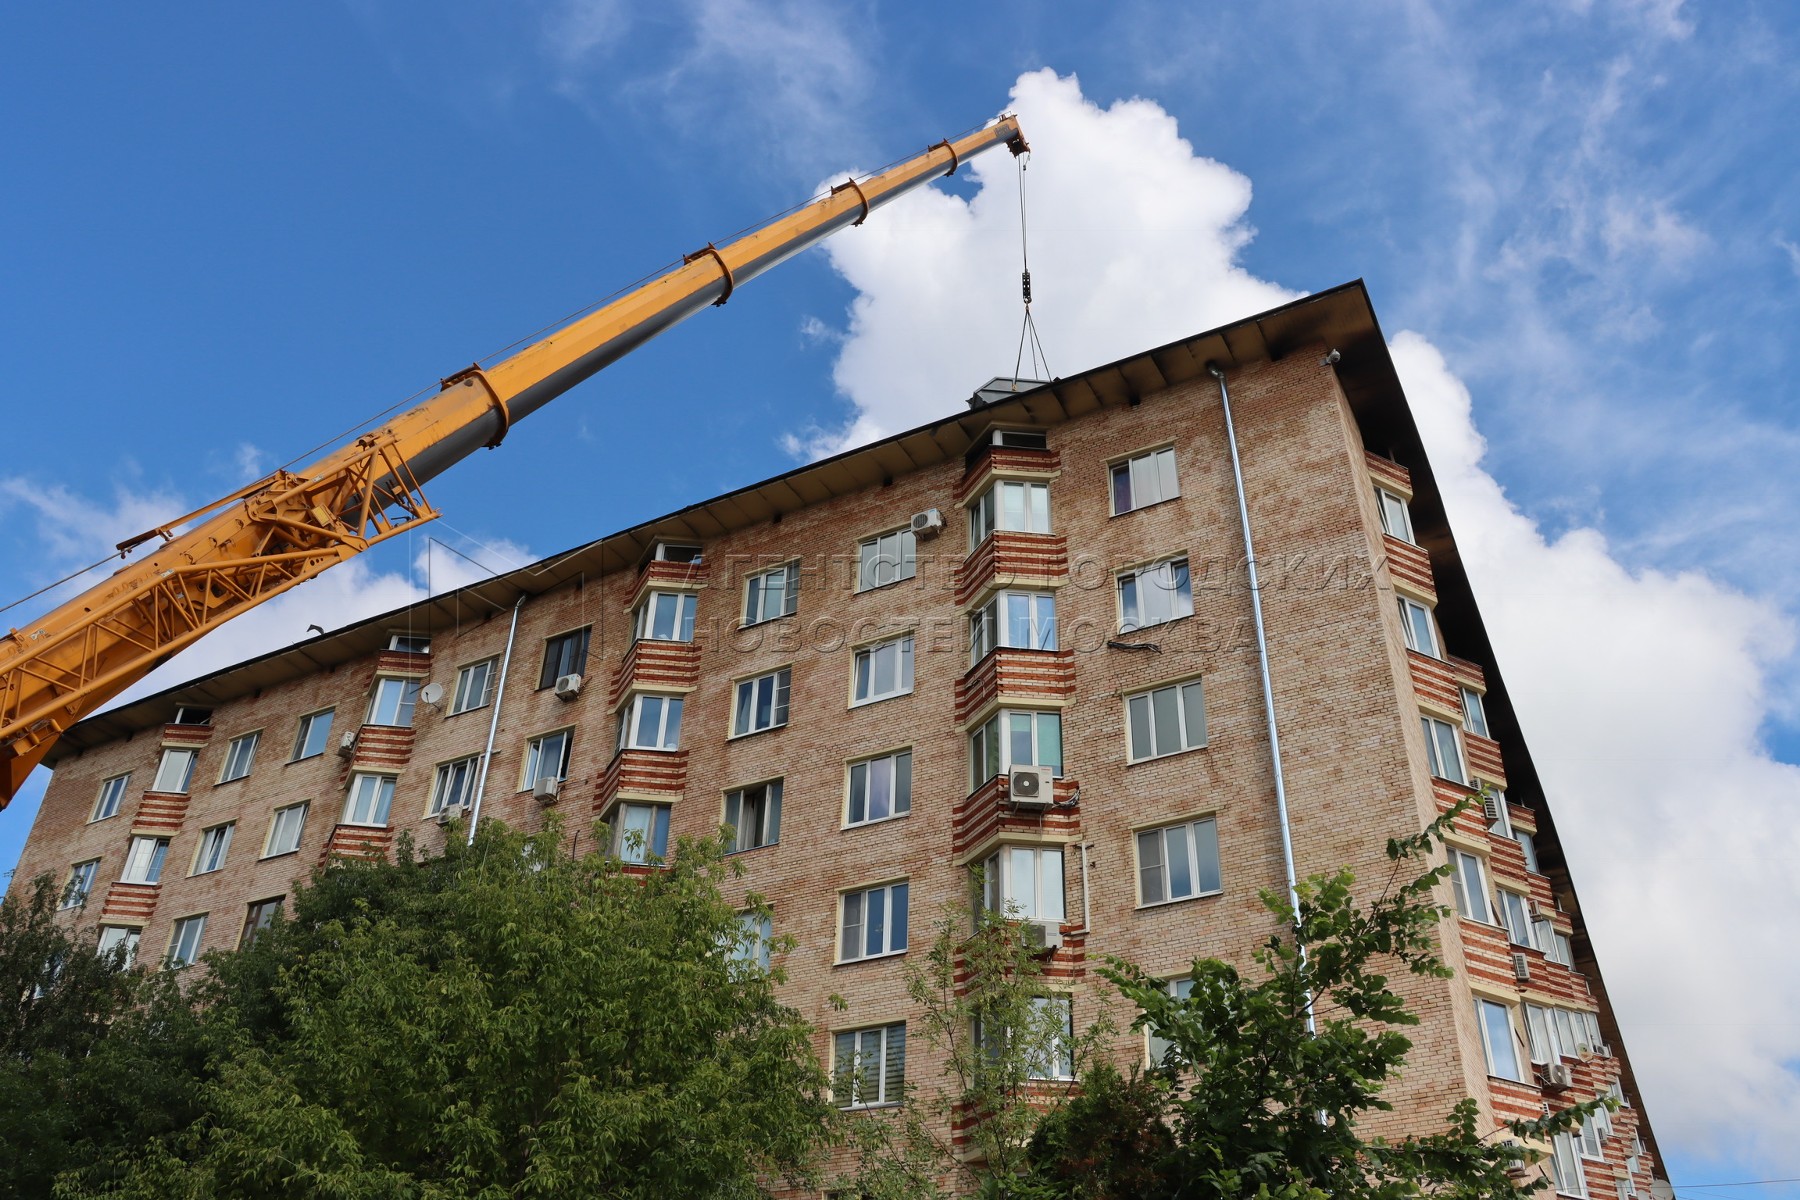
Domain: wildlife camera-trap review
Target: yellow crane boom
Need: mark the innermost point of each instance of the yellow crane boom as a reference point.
(284, 529)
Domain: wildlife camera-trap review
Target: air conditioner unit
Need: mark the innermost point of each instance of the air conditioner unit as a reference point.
(1558, 1077)
(451, 812)
(1521, 968)
(545, 789)
(927, 524)
(347, 744)
(1490, 808)
(1042, 935)
(1031, 787)
(568, 687)
(1603, 1050)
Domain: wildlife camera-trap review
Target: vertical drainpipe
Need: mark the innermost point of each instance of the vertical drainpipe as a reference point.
(1262, 662)
(487, 755)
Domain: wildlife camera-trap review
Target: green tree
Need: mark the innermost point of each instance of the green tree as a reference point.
(508, 1019)
(1250, 1102)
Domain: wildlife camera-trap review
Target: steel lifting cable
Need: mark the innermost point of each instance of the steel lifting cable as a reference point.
(1028, 334)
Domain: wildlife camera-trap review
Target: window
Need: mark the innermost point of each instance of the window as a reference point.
(1515, 914)
(762, 702)
(884, 670)
(112, 793)
(81, 882)
(1474, 713)
(1015, 739)
(214, 843)
(666, 617)
(547, 756)
(1055, 1058)
(1442, 752)
(755, 932)
(1155, 594)
(1018, 507)
(239, 756)
(144, 860)
(454, 784)
(393, 702)
(754, 814)
(187, 714)
(869, 1066)
(284, 830)
(1165, 721)
(564, 654)
(874, 922)
(121, 940)
(1415, 623)
(1528, 846)
(1020, 620)
(886, 559)
(472, 684)
(640, 832)
(1396, 521)
(407, 643)
(184, 943)
(1497, 1039)
(1024, 883)
(1178, 861)
(1589, 1135)
(880, 788)
(258, 916)
(1565, 1168)
(1145, 480)
(1181, 989)
(651, 723)
(1541, 1036)
(176, 770)
(1466, 884)
(1023, 439)
(1559, 949)
(677, 552)
(315, 732)
(771, 594)
(370, 798)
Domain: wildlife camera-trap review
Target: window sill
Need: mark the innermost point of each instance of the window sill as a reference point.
(364, 825)
(876, 587)
(208, 871)
(141, 882)
(752, 849)
(851, 962)
(1139, 762)
(753, 732)
(870, 1107)
(278, 854)
(97, 820)
(226, 782)
(849, 825)
(1153, 504)
(880, 698)
(1142, 907)
(304, 758)
(1128, 630)
(760, 622)
(461, 711)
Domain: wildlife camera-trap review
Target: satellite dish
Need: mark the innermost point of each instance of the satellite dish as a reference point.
(432, 693)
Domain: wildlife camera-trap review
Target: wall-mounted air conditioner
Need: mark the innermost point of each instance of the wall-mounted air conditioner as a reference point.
(347, 744)
(1558, 1077)
(451, 812)
(1031, 787)
(568, 687)
(1042, 935)
(545, 790)
(927, 524)
(1521, 968)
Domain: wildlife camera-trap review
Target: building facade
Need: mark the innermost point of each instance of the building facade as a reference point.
(1019, 638)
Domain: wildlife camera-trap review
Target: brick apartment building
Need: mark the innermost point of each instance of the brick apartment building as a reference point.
(856, 664)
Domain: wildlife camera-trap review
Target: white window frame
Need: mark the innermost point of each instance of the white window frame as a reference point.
(453, 784)
(990, 513)
(1443, 751)
(1155, 468)
(763, 803)
(1168, 578)
(114, 936)
(998, 623)
(1484, 1010)
(751, 948)
(565, 653)
(1418, 626)
(1199, 846)
(394, 696)
(882, 1047)
(1011, 869)
(1528, 847)
(1565, 1167)
(1591, 1139)
(1514, 913)
(885, 559)
(185, 782)
(81, 883)
(465, 698)
(280, 822)
(747, 703)
(780, 583)
(370, 800)
(896, 767)
(992, 740)
(665, 617)
(145, 858)
(535, 748)
(215, 845)
(303, 734)
(185, 940)
(1155, 1044)
(110, 796)
(624, 822)
(1468, 883)
(1189, 699)
(650, 721)
(893, 897)
(894, 656)
(240, 756)
(1058, 1059)
(1474, 707)
(420, 643)
(1396, 515)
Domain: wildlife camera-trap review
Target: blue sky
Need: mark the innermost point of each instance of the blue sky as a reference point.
(227, 232)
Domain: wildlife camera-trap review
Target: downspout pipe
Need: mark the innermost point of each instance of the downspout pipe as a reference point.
(1262, 662)
(487, 753)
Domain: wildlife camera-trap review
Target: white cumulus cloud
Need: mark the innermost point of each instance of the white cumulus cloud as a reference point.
(1642, 693)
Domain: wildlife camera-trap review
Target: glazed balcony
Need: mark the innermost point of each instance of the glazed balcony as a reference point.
(1008, 462)
(1009, 559)
(365, 842)
(160, 813)
(1410, 566)
(1011, 674)
(669, 576)
(382, 748)
(653, 774)
(987, 813)
(130, 903)
(657, 667)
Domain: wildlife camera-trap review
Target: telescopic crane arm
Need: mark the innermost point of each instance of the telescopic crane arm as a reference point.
(280, 531)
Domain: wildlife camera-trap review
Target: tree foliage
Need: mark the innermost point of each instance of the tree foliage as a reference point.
(505, 1020)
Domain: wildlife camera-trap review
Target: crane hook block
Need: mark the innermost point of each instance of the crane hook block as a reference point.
(1025, 285)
